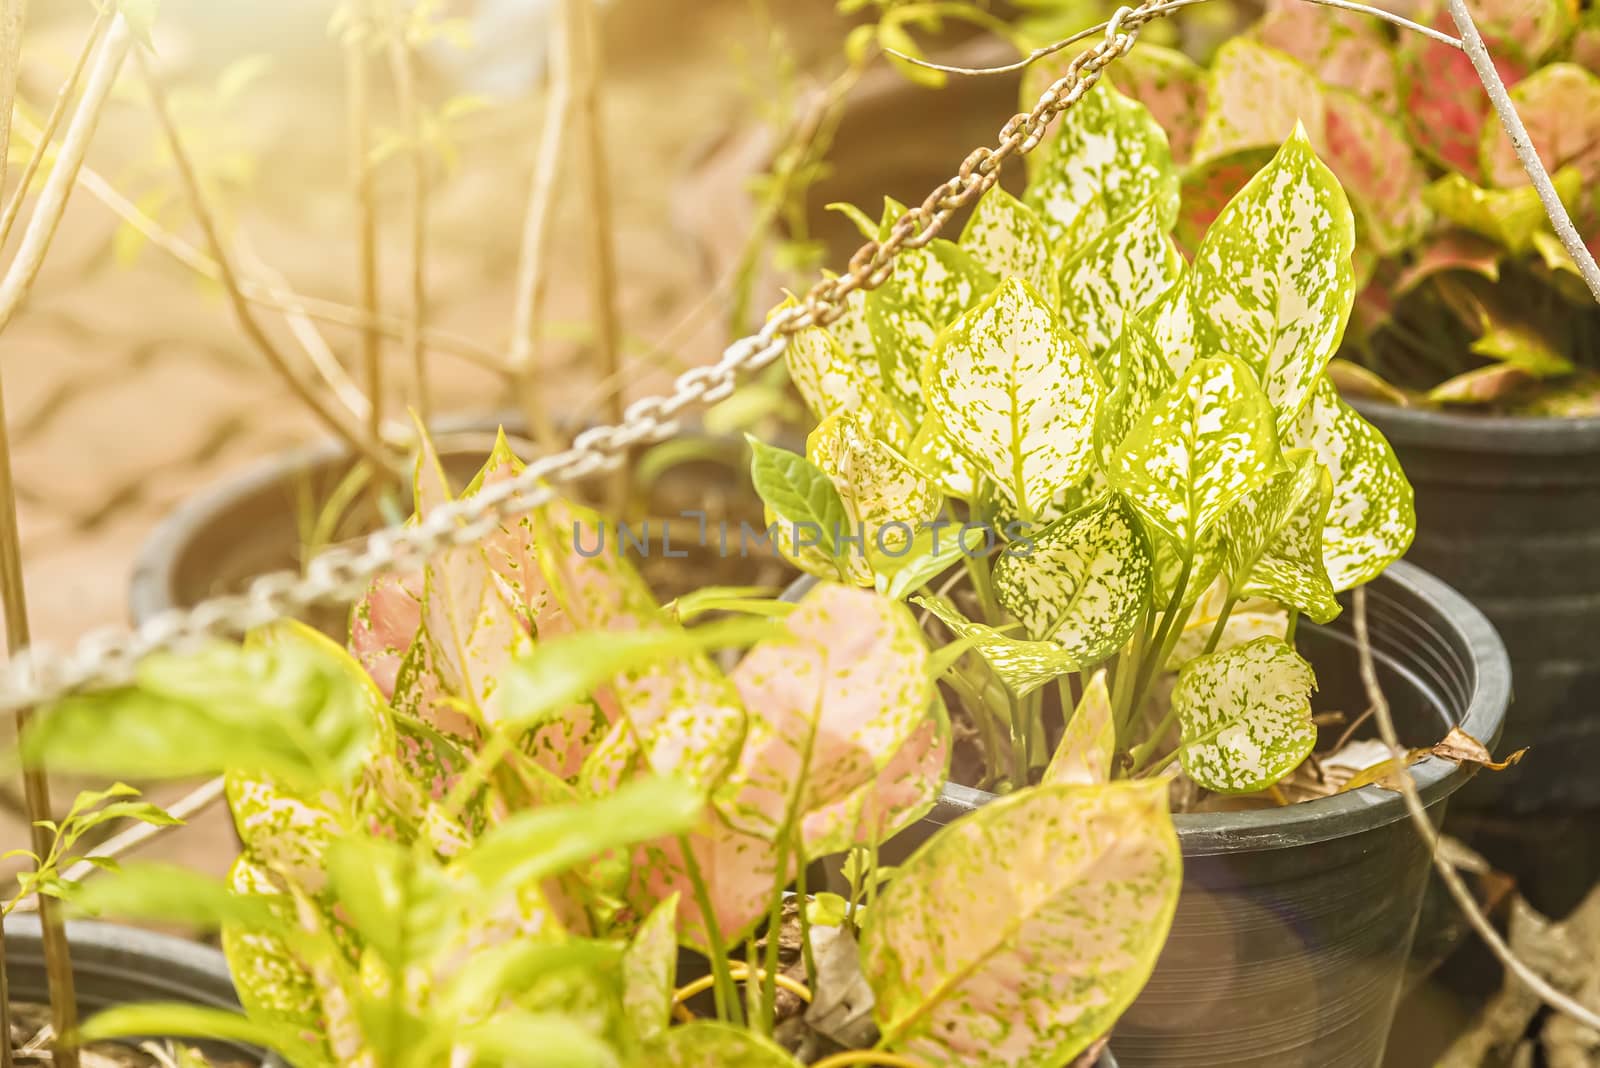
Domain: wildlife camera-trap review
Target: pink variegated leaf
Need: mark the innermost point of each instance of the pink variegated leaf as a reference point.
(1560, 106)
(1207, 189)
(1084, 754)
(829, 705)
(1377, 167)
(1524, 29)
(1482, 385)
(1255, 96)
(1168, 83)
(1443, 104)
(904, 791)
(738, 871)
(1343, 48)
(383, 624)
(1451, 250)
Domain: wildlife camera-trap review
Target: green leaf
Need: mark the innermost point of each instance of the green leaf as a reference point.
(1526, 346)
(885, 497)
(1272, 282)
(649, 971)
(931, 287)
(932, 552)
(1084, 581)
(178, 1020)
(1245, 715)
(563, 670)
(1511, 217)
(1022, 665)
(514, 968)
(1274, 540)
(166, 893)
(1206, 442)
(829, 380)
(508, 1037)
(1119, 272)
(706, 1042)
(1018, 395)
(1007, 238)
(1107, 156)
(1087, 874)
(1137, 371)
(1089, 743)
(1373, 515)
(398, 902)
(801, 495)
(751, 600)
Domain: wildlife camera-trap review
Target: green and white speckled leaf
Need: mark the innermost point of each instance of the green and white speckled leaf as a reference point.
(1206, 566)
(1022, 665)
(1203, 444)
(284, 833)
(1137, 372)
(1274, 539)
(904, 791)
(830, 704)
(1245, 715)
(1373, 516)
(1018, 395)
(1107, 155)
(1008, 238)
(931, 287)
(1086, 582)
(934, 453)
(1272, 283)
(828, 380)
(649, 972)
(273, 985)
(1089, 742)
(1118, 273)
(707, 1042)
(1082, 874)
(882, 492)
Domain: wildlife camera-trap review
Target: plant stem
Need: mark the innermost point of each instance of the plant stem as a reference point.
(585, 54)
(533, 277)
(69, 89)
(358, 101)
(370, 450)
(1156, 655)
(1293, 625)
(804, 895)
(727, 994)
(12, 17)
(769, 984)
(402, 64)
(1222, 622)
(52, 200)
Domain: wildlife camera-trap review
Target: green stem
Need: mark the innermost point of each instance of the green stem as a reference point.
(1222, 621)
(1294, 622)
(1149, 665)
(727, 995)
(806, 953)
(769, 980)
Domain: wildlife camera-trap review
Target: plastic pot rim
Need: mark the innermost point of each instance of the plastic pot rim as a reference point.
(1533, 435)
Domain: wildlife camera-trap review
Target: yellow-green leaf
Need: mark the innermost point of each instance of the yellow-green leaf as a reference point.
(1084, 754)
(1022, 665)
(1274, 539)
(1008, 238)
(1118, 273)
(1245, 715)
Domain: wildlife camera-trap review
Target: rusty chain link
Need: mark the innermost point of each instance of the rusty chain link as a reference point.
(108, 657)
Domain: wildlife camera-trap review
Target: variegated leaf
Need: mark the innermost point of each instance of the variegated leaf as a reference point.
(1560, 106)
(1378, 169)
(1247, 621)
(1083, 582)
(1511, 217)
(1272, 282)
(1342, 48)
(828, 380)
(382, 625)
(1373, 517)
(1257, 96)
(1245, 715)
(1119, 272)
(1209, 186)
(829, 705)
(1482, 385)
(1087, 746)
(934, 453)
(1274, 539)
(1168, 83)
(904, 791)
(649, 971)
(1444, 109)
(739, 871)
(273, 985)
(1018, 395)
(1022, 665)
(1087, 874)
(707, 1042)
(1008, 238)
(1205, 566)
(1108, 155)
(885, 496)
(1137, 372)
(930, 288)
(1205, 443)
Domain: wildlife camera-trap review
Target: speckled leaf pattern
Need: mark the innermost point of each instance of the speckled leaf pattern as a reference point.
(1560, 106)
(272, 984)
(1085, 583)
(1168, 83)
(1272, 282)
(930, 288)
(903, 792)
(1083, 756)
(1444, 110)
(1018, 395)
(1137, 372)
(963, 949)
(739, 871)
(1108, 154)
(1245, 716)
(1008, 238)
(476, 628)
(649, 972)
(1256, 96)
(827, 379)
(885, 497)
(382, 625)
(1373, 516)
(1022, 665)
(283, 832)
(1118, 273)
(705, 1043)
(1274, 540)
(1343, 48)
(1378, 169)
(830, 704)
(1204, 444)
(934, 453)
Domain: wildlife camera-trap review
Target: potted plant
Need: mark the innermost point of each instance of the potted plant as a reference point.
(523, 714)
(1159, 497)
(1473, 343)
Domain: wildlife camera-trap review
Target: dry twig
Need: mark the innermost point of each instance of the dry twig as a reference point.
(402, 66)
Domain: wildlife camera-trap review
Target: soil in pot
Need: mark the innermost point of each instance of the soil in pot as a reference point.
(267, 519)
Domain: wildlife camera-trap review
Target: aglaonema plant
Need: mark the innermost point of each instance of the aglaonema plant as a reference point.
(490, 781)
(1466, 297)
(1140, 469)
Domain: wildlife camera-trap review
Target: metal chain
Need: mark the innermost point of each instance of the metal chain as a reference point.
(108, 657)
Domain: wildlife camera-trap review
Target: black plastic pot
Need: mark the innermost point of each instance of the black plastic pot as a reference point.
(1290, 941)
(1508, 512)
(116, 965)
